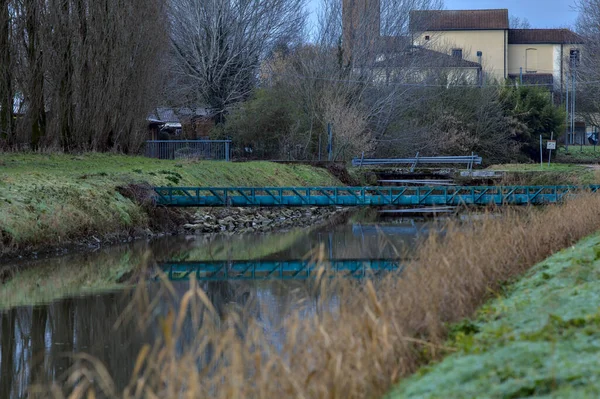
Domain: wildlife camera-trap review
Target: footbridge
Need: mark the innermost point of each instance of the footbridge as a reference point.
(364, 196)
(275, 269)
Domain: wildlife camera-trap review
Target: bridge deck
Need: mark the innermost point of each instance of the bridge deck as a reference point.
(264, 269)
(364, 196)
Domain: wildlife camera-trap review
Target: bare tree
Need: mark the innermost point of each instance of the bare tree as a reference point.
(84, 72)
(519, 23)
(588, 26)
(336, 79)
(6, 77)
(218, 45)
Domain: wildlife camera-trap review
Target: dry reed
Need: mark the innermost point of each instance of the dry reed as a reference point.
(382, 331)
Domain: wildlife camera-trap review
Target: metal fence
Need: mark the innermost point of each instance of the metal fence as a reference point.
(218, 150)
(468, 160)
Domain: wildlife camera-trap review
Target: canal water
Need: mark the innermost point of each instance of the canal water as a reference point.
(56, 308)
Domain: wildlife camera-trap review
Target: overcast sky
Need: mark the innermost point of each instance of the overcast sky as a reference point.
(540, 13)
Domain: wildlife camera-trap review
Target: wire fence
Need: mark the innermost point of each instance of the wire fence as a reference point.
(217, 150)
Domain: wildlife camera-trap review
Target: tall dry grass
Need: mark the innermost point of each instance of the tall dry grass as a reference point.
(382, 331)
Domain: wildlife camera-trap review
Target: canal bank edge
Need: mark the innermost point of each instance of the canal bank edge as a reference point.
(52, 204)
(117, 267)
(540, 337)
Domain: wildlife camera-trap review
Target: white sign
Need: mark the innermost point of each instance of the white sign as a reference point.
(551, 145)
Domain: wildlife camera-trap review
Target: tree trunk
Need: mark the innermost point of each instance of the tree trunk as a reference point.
(37, 111)
(39, 318)
(7, 343)
(6, 85)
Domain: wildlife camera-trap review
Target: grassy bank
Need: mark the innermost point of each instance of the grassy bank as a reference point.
(541, 175)
(578, 155)
(382, 331)
(538, 339)
(56, 199)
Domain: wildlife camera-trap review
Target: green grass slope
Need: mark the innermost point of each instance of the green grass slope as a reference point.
(542, 339)
(53, 199)
(586, 155)
(544, 175)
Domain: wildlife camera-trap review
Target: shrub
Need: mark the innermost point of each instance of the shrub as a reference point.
(533, 108)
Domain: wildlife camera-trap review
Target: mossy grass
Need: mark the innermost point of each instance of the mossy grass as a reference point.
(553, 174)
(576, 154)
(536, 167)
(540, 338)
(56, 198)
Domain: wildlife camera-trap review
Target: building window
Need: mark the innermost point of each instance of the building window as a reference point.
(457, 52)
(427, 38)
(531, 60)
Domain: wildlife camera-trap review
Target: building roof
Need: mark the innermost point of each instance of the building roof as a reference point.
(419, 57)
(543, 36)
(394, 43)
(438, 20)
(177, 115)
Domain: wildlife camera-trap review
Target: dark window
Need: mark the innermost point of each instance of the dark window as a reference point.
(457, 52)
(427, 37)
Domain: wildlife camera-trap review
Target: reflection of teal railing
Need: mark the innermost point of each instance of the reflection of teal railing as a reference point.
(291, 269)
(364, 196)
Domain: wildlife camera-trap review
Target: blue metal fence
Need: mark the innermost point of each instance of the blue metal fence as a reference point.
(219, 150)
(364, 196)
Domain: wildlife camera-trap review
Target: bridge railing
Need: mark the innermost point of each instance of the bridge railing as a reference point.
(218, 150)
(284, 269)
(364, 196)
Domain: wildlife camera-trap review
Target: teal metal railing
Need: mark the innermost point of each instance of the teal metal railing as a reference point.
(364, 196)
(267, 269)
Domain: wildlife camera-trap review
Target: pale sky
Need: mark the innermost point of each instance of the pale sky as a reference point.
(540, 13)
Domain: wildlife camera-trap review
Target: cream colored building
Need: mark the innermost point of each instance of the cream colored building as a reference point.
(481, 42)
(540, 56)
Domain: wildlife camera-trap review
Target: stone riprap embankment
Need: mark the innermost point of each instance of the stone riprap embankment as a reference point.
(256, 220)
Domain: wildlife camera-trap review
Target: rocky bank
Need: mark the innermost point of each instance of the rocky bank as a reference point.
(258, 220)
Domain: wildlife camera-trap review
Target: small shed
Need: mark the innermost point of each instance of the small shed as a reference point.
(180, 123)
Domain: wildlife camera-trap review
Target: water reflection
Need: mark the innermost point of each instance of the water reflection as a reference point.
(37, 343)
(280, 269)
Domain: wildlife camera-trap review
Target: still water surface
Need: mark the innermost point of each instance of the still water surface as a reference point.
(39, 338)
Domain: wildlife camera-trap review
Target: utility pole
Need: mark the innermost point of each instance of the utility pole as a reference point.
(574, 61)
(567, 121)
(521, 76)
(330, 142)
(573, 110)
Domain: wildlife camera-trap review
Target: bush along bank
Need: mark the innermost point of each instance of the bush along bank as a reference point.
(541, 338)
(56, 201)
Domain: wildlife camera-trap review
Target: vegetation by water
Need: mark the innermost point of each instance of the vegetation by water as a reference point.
(576, 154)
(538, 338)
(556, 173)
(383, 330)
(48, 280)
(55, 199)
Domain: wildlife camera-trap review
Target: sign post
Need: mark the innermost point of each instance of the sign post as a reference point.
(551, 145)
(541, 152)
